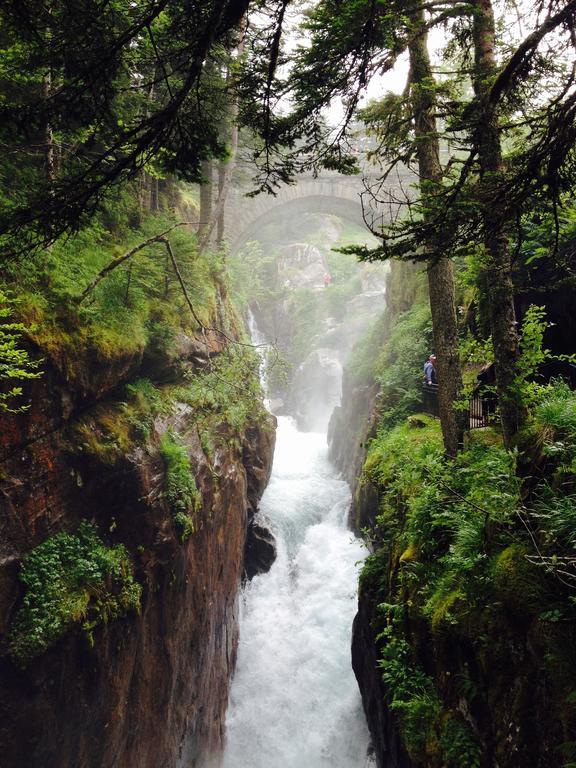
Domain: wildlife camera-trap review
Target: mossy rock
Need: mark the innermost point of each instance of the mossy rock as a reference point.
(518, 582)
(448, 609)
(410, 554)
(417, 422)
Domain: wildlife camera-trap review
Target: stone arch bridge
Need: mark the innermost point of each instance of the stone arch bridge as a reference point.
(331, 193)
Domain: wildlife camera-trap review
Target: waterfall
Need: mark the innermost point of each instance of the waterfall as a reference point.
(294, 700)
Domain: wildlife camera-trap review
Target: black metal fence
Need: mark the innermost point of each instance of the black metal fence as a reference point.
(430, 399)
(481, 408)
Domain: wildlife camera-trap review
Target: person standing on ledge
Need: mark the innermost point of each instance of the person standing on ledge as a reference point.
(430, 370)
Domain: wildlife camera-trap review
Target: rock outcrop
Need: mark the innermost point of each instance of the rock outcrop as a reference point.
(386, 745)
(260, 551)
(150, 689)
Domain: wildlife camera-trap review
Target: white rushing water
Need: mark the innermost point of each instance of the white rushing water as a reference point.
(294, 700)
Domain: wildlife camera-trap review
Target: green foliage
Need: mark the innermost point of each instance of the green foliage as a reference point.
(251, 275)
(83, 94)
(337, 294)
(145, 402)
(412, 694)
(445, 511)
(458, 745)
(16, 365)
(466, 551)
(305, 309)
(70, 579)
(138, 305)
(180, 490)
(429, 733)
(399, 369)
(532, 355)
(556, 411)
(553, 431)
(228, 391)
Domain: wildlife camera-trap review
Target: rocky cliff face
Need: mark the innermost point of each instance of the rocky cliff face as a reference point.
(386, 745)
(149, 689)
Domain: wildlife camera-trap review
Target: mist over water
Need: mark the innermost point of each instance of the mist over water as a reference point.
(294, 700)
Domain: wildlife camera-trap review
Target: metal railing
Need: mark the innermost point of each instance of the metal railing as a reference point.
(480, 412)
(430, 399)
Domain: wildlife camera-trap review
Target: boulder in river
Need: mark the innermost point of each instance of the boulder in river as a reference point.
(260, 551)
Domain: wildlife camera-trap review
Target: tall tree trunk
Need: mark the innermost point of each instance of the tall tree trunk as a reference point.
(154, 195)
(498, 267)
(440, 270)
(48, 133)
(221, 222)
(225, 170)
(49, 146)
(205, 200)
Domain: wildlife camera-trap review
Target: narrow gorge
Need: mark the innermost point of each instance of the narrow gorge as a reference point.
(287, 384)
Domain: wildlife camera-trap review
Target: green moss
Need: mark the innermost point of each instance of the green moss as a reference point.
(139, 305)
(70, 579)
(180, 490)
(518, 581)
(111, 430)
(446, 606)
(105, 433)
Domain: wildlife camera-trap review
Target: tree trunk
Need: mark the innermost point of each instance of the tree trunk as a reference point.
(154, 195)
(49, 147)
(440, 270)
(205, 199)
(225, 170)
(498, 267)
(221, 223)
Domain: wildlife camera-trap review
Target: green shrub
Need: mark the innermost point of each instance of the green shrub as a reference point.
(411, 692)
(459, 747)
(180, 491)
(16, 366)
(229, 390)
(71, 579)
(555, 419)
(555, 515)
(399, 369)
(557, 408)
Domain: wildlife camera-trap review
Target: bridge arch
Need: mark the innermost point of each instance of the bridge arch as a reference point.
(331, 193)
(245, 216)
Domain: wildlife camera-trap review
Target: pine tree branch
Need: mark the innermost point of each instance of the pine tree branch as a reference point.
(160, 238)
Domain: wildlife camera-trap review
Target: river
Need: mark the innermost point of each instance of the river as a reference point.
(294, 699)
